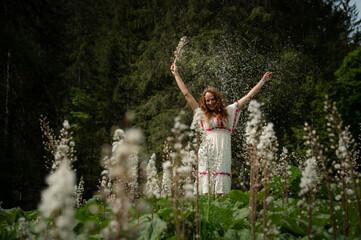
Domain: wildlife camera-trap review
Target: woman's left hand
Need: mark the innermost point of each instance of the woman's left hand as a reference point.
(267, 76)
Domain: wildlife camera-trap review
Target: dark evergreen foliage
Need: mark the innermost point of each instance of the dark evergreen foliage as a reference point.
(91, 62)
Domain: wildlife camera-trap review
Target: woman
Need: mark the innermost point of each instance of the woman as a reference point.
(218, 121)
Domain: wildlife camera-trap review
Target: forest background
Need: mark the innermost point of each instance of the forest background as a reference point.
(94, 62)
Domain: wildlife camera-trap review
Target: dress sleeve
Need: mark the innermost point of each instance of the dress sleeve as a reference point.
(198, 118)
(234, 113)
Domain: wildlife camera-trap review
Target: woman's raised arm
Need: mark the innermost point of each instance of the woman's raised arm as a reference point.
(190, 99)
(266, 77)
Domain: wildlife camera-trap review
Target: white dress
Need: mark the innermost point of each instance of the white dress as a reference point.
(215, 154)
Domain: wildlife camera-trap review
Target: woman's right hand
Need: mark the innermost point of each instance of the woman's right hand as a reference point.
(267, 76)
(174, 69)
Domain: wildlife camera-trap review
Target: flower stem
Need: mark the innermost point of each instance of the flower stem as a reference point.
(309, 229)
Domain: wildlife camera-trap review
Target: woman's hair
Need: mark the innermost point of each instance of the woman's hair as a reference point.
(220, 110)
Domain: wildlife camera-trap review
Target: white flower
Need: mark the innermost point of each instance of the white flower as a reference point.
(338, 197)
(78, 193)
(178, 146)
(309, 176)
(61, 184)
(183, 127)
(189, 189)
(267, 145)
(255, 118)
(349, 191)
(196, 118)
(270, 155)
(58, 196)
(66, 125)
(134, 136)
(189, 158)
(343, 144)
(167, 164)
(166, 180)
(173, 155)
(23, 229)
(184, 169)
(133, 161)
(118, 135)
(152, 186)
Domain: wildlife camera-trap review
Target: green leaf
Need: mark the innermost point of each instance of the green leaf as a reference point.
(14, 214)
(295, 172)
(287, 236)
(320, 219)
(80, 115)
(152, 230)
(7, 235)
(79, 227)
(104, 224)
(232, 234)
(293, 225)
(32, 215)
(175, 237)
(81, 214)
(241, 213)
(165, 213)
(239, 196)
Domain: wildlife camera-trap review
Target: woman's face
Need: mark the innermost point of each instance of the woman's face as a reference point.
(210, 101)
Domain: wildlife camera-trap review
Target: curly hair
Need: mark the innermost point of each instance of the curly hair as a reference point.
(220, 111)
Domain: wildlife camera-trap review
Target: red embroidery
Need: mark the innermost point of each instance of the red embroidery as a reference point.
(216, 173)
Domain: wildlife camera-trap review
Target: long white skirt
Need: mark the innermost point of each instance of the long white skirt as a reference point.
(214, 167)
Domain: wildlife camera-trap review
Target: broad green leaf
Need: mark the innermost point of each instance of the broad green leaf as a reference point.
(295, 172)
(79, 227)
(294, 225)
(239, 196)
(241, 213)
(153, 230)
(81, 214)
(165, 213)
(104, 224)
(320, 219)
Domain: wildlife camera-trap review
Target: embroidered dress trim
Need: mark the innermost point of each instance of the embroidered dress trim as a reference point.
(216, 173)
(219, 126)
